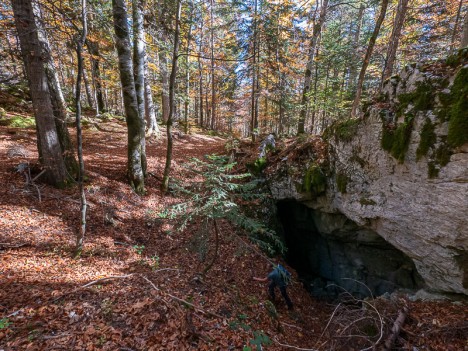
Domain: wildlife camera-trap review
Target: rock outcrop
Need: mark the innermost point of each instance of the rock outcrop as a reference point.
(401, 171)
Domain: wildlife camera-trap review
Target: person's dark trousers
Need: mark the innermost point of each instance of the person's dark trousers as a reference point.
(271, 291)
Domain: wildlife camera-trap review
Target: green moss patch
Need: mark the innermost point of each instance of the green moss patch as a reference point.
(432, 170)
(315, 181)
(442, 154)
(342, 181)
(458, 58)
(343, 130)
(19, 122)
(367, 202)
(422, 98)
(458, 112)
(427, 140)
(396, 141)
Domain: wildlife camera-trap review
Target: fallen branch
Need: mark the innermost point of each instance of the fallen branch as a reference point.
(293, 347)
(4, 246)
(182, 301)
(101, 280)
(396, 329)
(291, 325)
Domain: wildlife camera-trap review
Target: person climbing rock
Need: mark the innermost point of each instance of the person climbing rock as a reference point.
(278, 277)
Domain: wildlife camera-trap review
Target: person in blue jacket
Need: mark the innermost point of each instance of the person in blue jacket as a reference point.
(277, 279)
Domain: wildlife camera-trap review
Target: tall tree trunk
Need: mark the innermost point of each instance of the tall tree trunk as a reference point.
(187, 76)
(370, 49)
(201, 92)
(464, 41)
(134, 123)
(59, 105)
(213, 80)
(253, 121)
(83, 204)
(139, 58)
(310, 63)
(35, 63)
(200, 70)
(167, 168)
(152, 127)
(394, 39)
(163, 68)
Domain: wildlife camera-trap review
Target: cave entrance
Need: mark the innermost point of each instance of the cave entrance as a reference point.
(332, 254)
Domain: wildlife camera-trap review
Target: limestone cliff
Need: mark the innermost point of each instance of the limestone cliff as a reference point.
(400, 171)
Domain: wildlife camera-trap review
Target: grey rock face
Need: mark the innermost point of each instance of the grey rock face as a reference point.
(426, 218)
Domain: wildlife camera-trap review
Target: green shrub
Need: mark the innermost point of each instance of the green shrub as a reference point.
(212, 193)
(257, 167)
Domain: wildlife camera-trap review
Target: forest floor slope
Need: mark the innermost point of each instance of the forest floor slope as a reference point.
(153, 299)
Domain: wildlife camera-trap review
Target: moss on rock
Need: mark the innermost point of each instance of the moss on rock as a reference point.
(442, 154)
(422, 98)
(396, 141)
(458, 58)
(458, 113)
(315, 181)
(427, 140)
(343, 130)
(342, 181)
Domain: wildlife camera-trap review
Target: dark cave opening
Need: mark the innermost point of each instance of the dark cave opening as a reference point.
(333, 255)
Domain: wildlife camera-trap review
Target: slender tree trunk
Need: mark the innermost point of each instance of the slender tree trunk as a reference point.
(93, 49)
(455, 27)
(394, 39)
(131, 107)
(35, 63)
(213, 80)
(89, 95)
(370, 49)
(257, 88)
(187, 77)
(464, 41)
(83, 204)
(200, 70)
(139, 58)
(353, 68)
(163, 68)
(167, 168)
(310, 63)
(314, 110)
(150, 110)
(253, 122)
(201, 92)
(216, 250)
